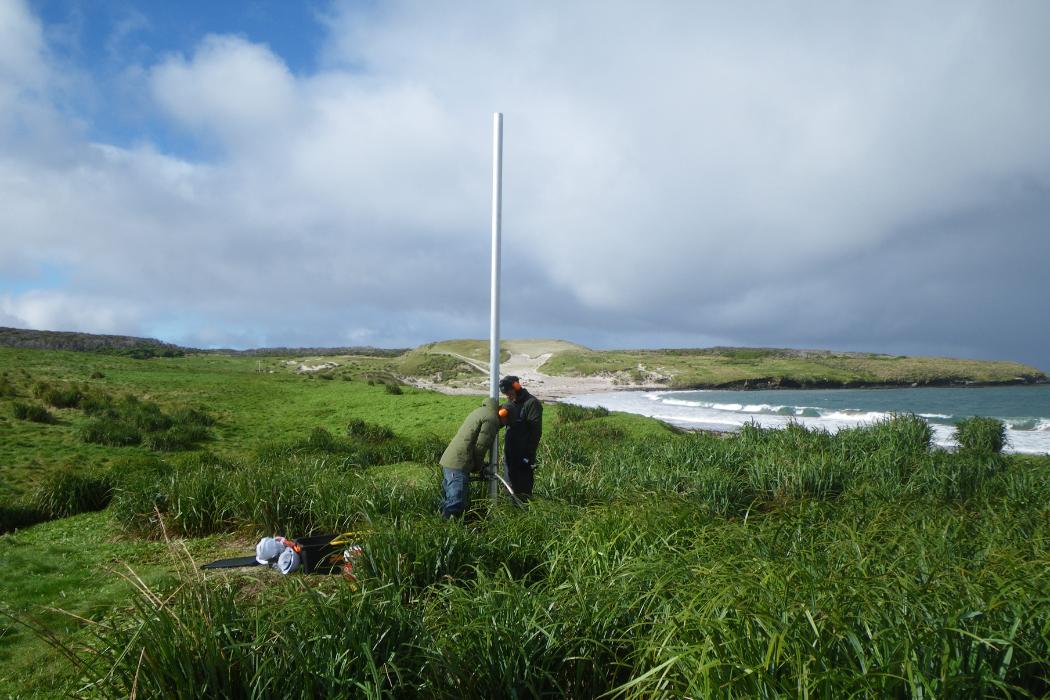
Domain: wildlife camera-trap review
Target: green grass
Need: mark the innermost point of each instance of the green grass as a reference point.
(73, 565)
(650, 562)
(31, 412)
(436, 366)
(760, 368)
(477, 350)
(571, 413)
(981, 435)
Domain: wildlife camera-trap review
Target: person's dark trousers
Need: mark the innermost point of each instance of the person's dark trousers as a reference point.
(457, 492)
(520, 475)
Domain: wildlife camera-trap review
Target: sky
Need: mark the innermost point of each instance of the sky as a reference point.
(849, 176)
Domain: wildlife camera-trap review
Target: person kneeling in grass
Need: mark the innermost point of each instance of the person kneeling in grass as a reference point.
(468, 452)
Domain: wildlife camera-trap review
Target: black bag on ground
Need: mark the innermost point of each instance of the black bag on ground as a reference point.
(318, 555)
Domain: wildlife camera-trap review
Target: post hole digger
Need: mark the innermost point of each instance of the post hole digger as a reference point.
(490, 474)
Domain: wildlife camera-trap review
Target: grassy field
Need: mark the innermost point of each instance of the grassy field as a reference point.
(651, 563)
(759, 368)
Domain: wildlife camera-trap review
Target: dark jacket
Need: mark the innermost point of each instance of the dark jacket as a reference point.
(524, 428)
(473, 440)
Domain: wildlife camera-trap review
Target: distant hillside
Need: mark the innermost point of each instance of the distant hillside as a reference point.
(710, 368)
(360, 350)
(151, 347)
(478, 349)
(88, 342)
(465, 362)
(766, 368)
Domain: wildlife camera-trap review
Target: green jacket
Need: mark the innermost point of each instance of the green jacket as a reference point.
(469, 449)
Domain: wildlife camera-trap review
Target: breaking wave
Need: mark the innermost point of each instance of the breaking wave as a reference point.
(692, 410)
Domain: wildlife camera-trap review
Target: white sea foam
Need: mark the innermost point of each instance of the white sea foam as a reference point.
(682, 402)
(856, 417)
(713, 415)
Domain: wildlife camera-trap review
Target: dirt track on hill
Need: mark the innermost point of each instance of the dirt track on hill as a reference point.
(528, 367)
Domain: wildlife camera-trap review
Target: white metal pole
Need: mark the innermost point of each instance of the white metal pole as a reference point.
(497, 206)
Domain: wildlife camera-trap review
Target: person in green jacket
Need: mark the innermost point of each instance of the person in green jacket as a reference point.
(468, 452)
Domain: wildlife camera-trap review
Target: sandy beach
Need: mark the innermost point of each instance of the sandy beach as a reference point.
(546, 387)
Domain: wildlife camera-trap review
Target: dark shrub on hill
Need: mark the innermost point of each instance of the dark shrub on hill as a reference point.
(143, 352)
(144, 415)
(132, 421)
(7, 387)
(981, 435)
(177, 437)
(392, 388)
(32, 412)
(110, 431)
(192, 416)
(368, 445)
(59, 396)
(71, 490)
(95, 403)
(368, 432)
(63, 397)
(321, 440)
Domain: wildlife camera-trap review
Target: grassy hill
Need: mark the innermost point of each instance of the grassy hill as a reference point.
(460, 362)
(757, 368)
(144, 348)
(650, 562)
(745, 368)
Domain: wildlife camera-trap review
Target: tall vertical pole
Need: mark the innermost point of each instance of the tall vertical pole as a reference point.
(497, 210)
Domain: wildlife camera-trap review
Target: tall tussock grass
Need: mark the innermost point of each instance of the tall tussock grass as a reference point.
(132, 421)
(772, 564)
(8, 388)
(209, 639)
(59, 395)
(71, 490)
(571, 413)
(981, 435)
(281, 492)
(32, 412)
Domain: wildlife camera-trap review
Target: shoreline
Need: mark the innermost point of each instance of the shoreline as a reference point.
(1027, 432)
(554, 387)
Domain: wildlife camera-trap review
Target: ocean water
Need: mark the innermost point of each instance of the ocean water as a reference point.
(1024, 409)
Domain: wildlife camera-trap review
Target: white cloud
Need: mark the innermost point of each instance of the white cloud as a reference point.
(21, 48)
(684, 171)
(237, 89)
(49, 309)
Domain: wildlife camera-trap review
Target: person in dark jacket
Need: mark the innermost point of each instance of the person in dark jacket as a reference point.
(524, 429)
(468, 452)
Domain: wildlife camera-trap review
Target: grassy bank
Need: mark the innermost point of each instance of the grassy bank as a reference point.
(650, 564)
(765, 368)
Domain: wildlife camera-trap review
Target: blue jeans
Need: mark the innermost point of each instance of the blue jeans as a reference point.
(457, 492)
